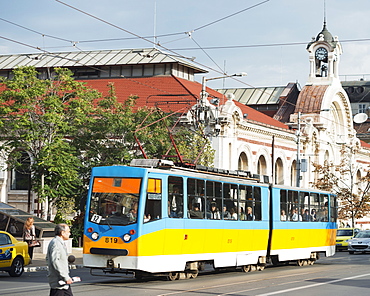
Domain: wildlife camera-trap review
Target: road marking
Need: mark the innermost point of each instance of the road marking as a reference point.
(314, 285)
(20, 288)
(236, 283)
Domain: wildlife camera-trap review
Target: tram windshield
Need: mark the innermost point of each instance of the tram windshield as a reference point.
(114, 201)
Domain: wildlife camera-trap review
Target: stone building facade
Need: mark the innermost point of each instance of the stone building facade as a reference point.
(280, 148)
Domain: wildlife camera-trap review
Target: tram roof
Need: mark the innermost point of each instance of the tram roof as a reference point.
(210, 171)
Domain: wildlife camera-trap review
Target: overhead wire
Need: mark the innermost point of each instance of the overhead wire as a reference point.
(231, 15)
(134, 80)
(137, 36)
(144, 38)
(223, 72)
(28, 29)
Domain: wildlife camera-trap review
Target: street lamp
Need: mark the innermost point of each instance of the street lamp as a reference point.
(204, 80)
(203, 109)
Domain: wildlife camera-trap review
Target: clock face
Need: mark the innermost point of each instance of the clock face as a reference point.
(321, 53)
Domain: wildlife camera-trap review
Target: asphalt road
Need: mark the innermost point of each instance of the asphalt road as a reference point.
(342, 274)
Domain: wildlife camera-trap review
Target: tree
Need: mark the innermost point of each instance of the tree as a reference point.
(66, 128)
(37, 116)
(352, 192)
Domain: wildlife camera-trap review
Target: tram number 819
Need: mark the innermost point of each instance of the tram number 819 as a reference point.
(111, 240)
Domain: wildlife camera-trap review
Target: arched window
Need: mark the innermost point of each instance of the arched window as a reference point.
(243, 162)
(326, 158)
(293, 173)
(262, 166)
(279, 172)
(20, 173)
(357, 183)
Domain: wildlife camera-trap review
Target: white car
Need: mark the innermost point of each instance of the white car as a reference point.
(360, 243)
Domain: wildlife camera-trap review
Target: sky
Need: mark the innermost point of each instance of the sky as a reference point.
(267, 39)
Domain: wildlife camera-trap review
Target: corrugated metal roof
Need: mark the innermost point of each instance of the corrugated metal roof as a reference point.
(94, 58)
(310, 99)
(255, 96)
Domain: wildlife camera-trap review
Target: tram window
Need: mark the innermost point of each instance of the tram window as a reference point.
(230, 204)
(214, 200)
(249, 203)
(242, 211)
(153, 200)
(114, 201)
(242, 203)
(234, 197)
(283, 205)
(175, 197)
(196, 203)
(304, 199)
(333, 208)
(314, 205)
(257, 203)
(322, 214)
(293, 206)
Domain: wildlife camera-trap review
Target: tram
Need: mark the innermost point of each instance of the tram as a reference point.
(153, 218)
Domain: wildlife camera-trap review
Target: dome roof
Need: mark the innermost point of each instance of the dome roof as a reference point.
(327, 37)
(326, 34)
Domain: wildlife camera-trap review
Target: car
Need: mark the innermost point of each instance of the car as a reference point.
(344, 234)
(13, 254)
(360, 243)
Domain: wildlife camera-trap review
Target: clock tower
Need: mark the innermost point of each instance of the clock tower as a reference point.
(322, 115)
(324, 53)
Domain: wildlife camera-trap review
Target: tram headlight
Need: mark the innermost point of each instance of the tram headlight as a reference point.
(126, 237)
(95, 235)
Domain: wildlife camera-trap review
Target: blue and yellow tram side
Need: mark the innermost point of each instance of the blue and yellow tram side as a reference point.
(150, 220)
(312, 230)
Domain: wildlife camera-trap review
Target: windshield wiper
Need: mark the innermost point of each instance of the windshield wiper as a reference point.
(107, 220)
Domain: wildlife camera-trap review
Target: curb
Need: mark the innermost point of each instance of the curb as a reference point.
(45, 268)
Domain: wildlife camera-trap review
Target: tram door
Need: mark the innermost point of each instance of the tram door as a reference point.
(173, 205)
(151, 213)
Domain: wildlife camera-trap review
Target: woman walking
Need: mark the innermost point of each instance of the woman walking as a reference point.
(29, 234)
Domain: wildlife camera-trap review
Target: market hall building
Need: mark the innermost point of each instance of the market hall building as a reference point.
(285, 126)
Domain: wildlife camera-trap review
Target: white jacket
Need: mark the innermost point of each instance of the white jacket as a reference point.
(57, 259)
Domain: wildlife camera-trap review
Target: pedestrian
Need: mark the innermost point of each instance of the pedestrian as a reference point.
(57, 259)
(29, 234)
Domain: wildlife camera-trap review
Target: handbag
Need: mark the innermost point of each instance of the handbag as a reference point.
(34, 243)
(27, 236)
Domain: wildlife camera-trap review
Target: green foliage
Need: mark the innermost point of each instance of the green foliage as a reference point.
(67, 128)
(77, 228)
(195, 147)
(38, 116)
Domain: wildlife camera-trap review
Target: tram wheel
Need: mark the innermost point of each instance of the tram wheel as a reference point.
(246, 268)
(254, 267)
(261, 267)
(192, 275)
(300, 262)
(172, 276)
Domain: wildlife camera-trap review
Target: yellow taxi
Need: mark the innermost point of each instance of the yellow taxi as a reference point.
(344, 234)
(13, 254)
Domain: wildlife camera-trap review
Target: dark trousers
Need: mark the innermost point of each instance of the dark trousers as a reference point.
(30, 250)
(61, 292)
